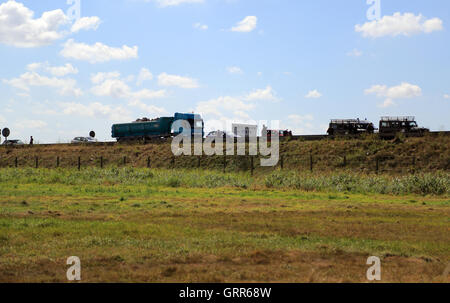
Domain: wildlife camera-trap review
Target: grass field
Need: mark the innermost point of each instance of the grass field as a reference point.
(137, 225)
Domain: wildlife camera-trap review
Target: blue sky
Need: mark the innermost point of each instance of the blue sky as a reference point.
(299, 62)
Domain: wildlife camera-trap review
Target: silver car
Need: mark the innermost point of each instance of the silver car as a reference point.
(79, 140)
(13, 142)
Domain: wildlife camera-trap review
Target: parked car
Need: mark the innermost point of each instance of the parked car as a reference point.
(79, 140)
(222, 134)
(13, 142)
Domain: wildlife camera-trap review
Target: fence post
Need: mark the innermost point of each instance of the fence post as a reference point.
(199, 161)
(282, 162)
(378, 164)
(15, 162)
(224, 163)
(345, 161)
(57, 161)
(125, 160)
(252, 167)
(79, 163)
(148, 162)
(173, 161)
(37, 162)
(311, 161)
(101, 162)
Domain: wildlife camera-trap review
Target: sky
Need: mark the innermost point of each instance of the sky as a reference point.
(71, 66)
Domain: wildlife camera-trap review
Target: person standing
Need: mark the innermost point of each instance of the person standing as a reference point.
(31, 141)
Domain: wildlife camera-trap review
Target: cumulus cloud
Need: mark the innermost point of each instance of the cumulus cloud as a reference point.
(117, 88)
(234, 70)
(403, 91)
(406, 24)
(19, 27)
(86, 23)
(314, 94)
(166, 3)
(262, 94)
(31, 124)
(247, 25)
(165, 79)
(98, 52)
(235, 108)
(58, 71)
(96, 110)
(446, 96)
(301, 124)
(221, 104)
(65, 86)
(100, 77)
(200, 26)
(149, 109)
(355, 53)
(144, 75)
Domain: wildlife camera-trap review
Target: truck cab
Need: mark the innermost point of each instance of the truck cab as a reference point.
(195, 121)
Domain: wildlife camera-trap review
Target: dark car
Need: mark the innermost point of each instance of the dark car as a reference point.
(390, 126)
(13, 142)
(350, 127)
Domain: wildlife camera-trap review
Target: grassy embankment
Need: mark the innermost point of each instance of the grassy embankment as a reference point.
(137, 225)
(403, 155)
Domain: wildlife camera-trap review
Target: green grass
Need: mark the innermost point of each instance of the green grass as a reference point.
(137, 225)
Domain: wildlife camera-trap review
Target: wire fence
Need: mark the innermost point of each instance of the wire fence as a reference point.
(287, 161)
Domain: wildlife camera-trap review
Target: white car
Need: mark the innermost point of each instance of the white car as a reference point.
(79, 140)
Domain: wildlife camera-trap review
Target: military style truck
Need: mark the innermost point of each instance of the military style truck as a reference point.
(350, 127)
(391, 126)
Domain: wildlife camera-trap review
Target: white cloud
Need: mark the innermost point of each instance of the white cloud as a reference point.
(31, 124)
(355, 53)
(112, 87)
(446, 96)
(234, 70)
(175, 80)
(406, 24)
(98, 52)
(19, 28)
(150, 110)
(247, 25)
(100, 77)
(301, 124)
(262, 94)
(220, 105)
(86, 23)
(314, 94)
(65, 86)
(403, 91)
(200, 26)
(59, 71)
(96, 110)
(166, 3)
(144, 75)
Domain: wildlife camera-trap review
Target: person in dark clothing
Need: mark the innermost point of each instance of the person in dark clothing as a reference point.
(31, 141)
